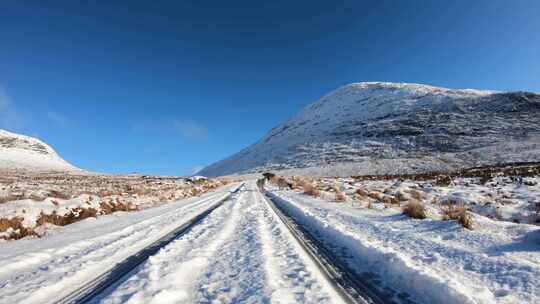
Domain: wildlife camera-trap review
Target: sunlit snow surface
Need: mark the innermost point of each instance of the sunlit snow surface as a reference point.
(381, 128)
(435, 261)
(25, 152)
(240, 253)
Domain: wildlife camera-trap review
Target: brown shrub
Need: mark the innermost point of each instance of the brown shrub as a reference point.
(390, 200)
(443, 180)
(9, 198)
(340, 197)
(74, 215)
(375, 195)
(452, 212)
(13, 223)
(459, 213)
(58, 194)
(466, 220)
(415, 209)
(310, 189)
(361, 193)
(19, 231)
(110, 207)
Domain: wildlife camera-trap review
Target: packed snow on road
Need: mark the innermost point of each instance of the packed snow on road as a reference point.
(242, 253)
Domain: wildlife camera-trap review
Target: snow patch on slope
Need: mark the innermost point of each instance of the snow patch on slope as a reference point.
(375, 123)
(25, 152)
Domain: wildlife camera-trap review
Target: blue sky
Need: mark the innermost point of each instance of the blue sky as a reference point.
(161, 87)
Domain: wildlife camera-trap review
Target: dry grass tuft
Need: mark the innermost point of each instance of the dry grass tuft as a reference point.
(459, 213)
(466, 220)
(9, 198)
(19, 231)
(415, 209)
(361, 193)
(340, 197)
(310, 189)
(390, 200)
(73, 216)
(376, 195)
(58, 194)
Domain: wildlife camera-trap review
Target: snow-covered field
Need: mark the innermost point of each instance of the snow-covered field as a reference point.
(504, 198)
(242, 253)
(34, 203)
(435, 260)
(39, 270)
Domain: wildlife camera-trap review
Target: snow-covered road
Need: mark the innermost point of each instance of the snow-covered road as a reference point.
(241, 253)
(44, 270)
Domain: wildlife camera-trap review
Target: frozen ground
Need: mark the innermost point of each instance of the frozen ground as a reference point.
(435, 261)
(37, 270)
(33, 203)
(504, 198)
(242, 253)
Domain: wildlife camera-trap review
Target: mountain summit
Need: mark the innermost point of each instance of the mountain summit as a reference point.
(28, 153)
(388, 128)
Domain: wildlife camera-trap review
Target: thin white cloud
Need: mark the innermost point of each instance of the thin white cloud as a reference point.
(190, 129)
(9, 116)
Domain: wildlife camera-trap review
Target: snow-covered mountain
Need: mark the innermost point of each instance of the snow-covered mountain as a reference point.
(379, 128)
(28, 153)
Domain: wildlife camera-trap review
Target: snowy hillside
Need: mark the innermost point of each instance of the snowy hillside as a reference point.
(24, 152)
(379, 128)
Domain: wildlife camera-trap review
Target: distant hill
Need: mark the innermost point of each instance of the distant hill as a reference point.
(383, 128)
(28, 153)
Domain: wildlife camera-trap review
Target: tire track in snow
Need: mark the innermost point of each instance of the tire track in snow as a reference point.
(238, 254)
(73, 265)
(171, 275)
(293, 278)
(237, 275)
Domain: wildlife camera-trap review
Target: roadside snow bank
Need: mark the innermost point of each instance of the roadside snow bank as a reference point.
(433, 261)
(33, 270)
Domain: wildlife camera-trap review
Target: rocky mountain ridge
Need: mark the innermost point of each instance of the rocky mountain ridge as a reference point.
(390, 128)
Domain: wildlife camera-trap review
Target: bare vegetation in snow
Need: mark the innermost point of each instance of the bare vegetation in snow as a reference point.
(31, 199)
